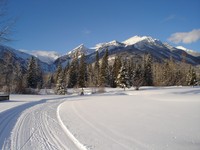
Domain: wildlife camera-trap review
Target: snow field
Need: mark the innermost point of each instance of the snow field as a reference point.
(153, 118)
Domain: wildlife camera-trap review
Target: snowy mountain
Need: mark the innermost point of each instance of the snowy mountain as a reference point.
(46, 56)
(110, 45)
(21, 58)
(191, 52)
(136, 39)
(135, 47)
(79, 50)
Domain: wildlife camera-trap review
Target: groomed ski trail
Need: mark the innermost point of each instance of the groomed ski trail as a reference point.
(35, 125)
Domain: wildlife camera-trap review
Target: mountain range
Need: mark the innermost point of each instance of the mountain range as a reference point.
(135, 47)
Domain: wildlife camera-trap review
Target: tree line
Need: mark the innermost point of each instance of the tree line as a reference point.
(122, 72)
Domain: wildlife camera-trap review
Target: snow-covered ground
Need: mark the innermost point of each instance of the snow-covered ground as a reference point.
(152, 118)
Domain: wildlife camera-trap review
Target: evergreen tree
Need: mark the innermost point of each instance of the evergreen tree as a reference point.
(138, 77)
(17, 84)
(60, 85)
(148, 75)
(131, 68)
(39, 76)
(123, 80)
(96, 70)
(58, 71)
(66, 73)
(191, 77)
(115, 71)
(82, 72)
(32, 73)
(91, 76)
(73, 73)
(103, 80)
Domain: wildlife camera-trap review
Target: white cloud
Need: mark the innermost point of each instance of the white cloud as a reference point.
(185, 37)
(45, 56)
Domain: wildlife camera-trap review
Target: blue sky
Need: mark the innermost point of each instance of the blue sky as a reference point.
(61, 25)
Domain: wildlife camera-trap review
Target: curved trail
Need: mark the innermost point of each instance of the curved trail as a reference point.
(34, 125)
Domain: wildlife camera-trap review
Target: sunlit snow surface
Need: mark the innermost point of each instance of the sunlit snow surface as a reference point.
(151, 118)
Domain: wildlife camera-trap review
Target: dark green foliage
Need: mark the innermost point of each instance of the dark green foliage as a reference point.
(82, 76)
(138, 77)
(96, 70)
(148, 75)
(103, 79)
(115, 71)
(91, 76)
(60, 85)
(58, 71)
(73, 73)
(33, 74)
(191, 77)
(123, 80)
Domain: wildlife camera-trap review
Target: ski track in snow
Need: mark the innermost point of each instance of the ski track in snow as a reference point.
(34, 125)
(113, 120)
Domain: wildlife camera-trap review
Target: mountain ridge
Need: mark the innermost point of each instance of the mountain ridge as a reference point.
(135, 47)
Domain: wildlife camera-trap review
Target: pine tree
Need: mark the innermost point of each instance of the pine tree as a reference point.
(91, 75)
(32, 73)
(115, 71)
(123, 80)
(73, 73)
(58, 71)
(103, 80)
(148, 75)
(82, 72)
(191, 77)
(17, 84)
(131, 68)
(66, 73)
(60, 85)
(138, 77)
(39, 76)
(96, 70)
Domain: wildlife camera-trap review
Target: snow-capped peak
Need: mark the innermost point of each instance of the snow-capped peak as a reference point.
(110, 44)
(189, 51)
(136, 39)
(183, 48)
(80, 50)
(80, 47)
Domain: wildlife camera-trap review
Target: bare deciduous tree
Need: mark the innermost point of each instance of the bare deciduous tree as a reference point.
(6, 23)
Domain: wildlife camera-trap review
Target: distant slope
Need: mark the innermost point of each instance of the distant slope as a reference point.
(18, 57)
(45, 56)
